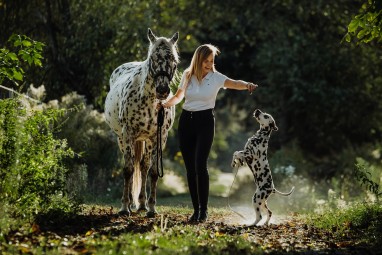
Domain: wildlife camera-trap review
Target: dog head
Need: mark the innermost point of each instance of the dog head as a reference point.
(265, 120)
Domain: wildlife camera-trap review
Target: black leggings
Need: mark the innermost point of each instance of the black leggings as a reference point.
(196, 133)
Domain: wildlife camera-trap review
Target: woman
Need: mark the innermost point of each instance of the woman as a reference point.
(199, 86)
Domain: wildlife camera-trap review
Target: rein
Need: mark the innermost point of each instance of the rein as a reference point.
(160, 120)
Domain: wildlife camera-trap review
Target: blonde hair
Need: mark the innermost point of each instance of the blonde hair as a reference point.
(200, 54)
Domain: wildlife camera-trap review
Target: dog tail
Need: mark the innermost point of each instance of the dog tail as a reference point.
(283, 194)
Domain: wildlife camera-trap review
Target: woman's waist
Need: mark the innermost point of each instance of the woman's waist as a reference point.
(198, 113)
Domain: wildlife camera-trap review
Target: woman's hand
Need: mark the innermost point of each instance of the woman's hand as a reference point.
(251, 87)
(159, 105)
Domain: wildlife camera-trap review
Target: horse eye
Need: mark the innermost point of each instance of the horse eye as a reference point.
(266, 117)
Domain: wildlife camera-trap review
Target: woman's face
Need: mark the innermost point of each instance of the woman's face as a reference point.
(207, 64)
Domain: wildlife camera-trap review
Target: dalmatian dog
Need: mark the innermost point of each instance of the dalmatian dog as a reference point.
(255, 156)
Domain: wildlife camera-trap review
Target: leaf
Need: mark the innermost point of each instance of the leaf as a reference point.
(348, 37)
(353, 25)
(17, 43)
(27, 43)
(24, 249)
(35, 228)
(89, 233)
(362, 33)
(17, 75)
(37, 62)
(218, 234)
(13, 56)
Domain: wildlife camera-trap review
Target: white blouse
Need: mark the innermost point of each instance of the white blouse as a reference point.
(202, 96)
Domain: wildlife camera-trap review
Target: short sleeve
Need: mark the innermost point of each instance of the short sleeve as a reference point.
(220, 79)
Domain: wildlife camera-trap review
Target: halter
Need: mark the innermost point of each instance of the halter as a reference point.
(160, 120)
(163, 73)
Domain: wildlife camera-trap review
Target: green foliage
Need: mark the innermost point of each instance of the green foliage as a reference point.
(32, 171)
(25, 51)
(98, 163)
(179, 240)
(363, 175)
(362, 220)
(366, 26)
(290, 48)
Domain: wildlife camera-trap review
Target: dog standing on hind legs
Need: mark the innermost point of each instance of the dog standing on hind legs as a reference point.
(255, 156)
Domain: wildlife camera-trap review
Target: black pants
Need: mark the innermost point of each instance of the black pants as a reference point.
(196, 133)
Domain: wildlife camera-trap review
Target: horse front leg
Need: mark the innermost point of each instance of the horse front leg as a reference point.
(153, 187)
(127, 198)
(145, 165)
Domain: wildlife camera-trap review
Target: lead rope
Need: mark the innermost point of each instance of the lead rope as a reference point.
(160, 120)
(237, 170)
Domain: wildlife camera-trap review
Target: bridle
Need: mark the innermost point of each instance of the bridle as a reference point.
(160, 120)
(163, 73)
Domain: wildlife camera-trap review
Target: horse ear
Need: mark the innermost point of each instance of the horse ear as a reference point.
(151, 36)
(175, 38)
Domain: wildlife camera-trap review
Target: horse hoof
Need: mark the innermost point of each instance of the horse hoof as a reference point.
(124, 213)
(151, 214)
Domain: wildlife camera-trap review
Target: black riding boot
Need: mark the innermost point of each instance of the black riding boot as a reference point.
(203, 191)
(193, 188)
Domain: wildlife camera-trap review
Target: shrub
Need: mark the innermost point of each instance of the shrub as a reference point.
(32, 169)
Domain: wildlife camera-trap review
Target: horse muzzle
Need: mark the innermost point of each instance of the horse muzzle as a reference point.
(162, 92)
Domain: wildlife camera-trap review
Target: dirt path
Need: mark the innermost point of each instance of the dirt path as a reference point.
(286, 235)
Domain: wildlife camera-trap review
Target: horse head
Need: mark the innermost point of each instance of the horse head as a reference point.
(163, 61)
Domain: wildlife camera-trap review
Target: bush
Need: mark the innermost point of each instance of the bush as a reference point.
(98, 158)
(32, 169)
(362, 220)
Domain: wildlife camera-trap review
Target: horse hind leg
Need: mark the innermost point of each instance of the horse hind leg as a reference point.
(127, 187)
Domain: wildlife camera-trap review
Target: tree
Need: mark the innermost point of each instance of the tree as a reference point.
(367, 25)
(24, 53)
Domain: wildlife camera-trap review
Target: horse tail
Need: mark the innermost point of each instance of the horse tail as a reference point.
(283, 194)
(139, 149)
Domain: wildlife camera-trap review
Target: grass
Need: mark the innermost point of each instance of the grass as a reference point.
(361, 220)
(98, 230)
(163, 235)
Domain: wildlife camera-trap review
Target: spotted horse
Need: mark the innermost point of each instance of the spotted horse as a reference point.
(136, 88)
(255, 156)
